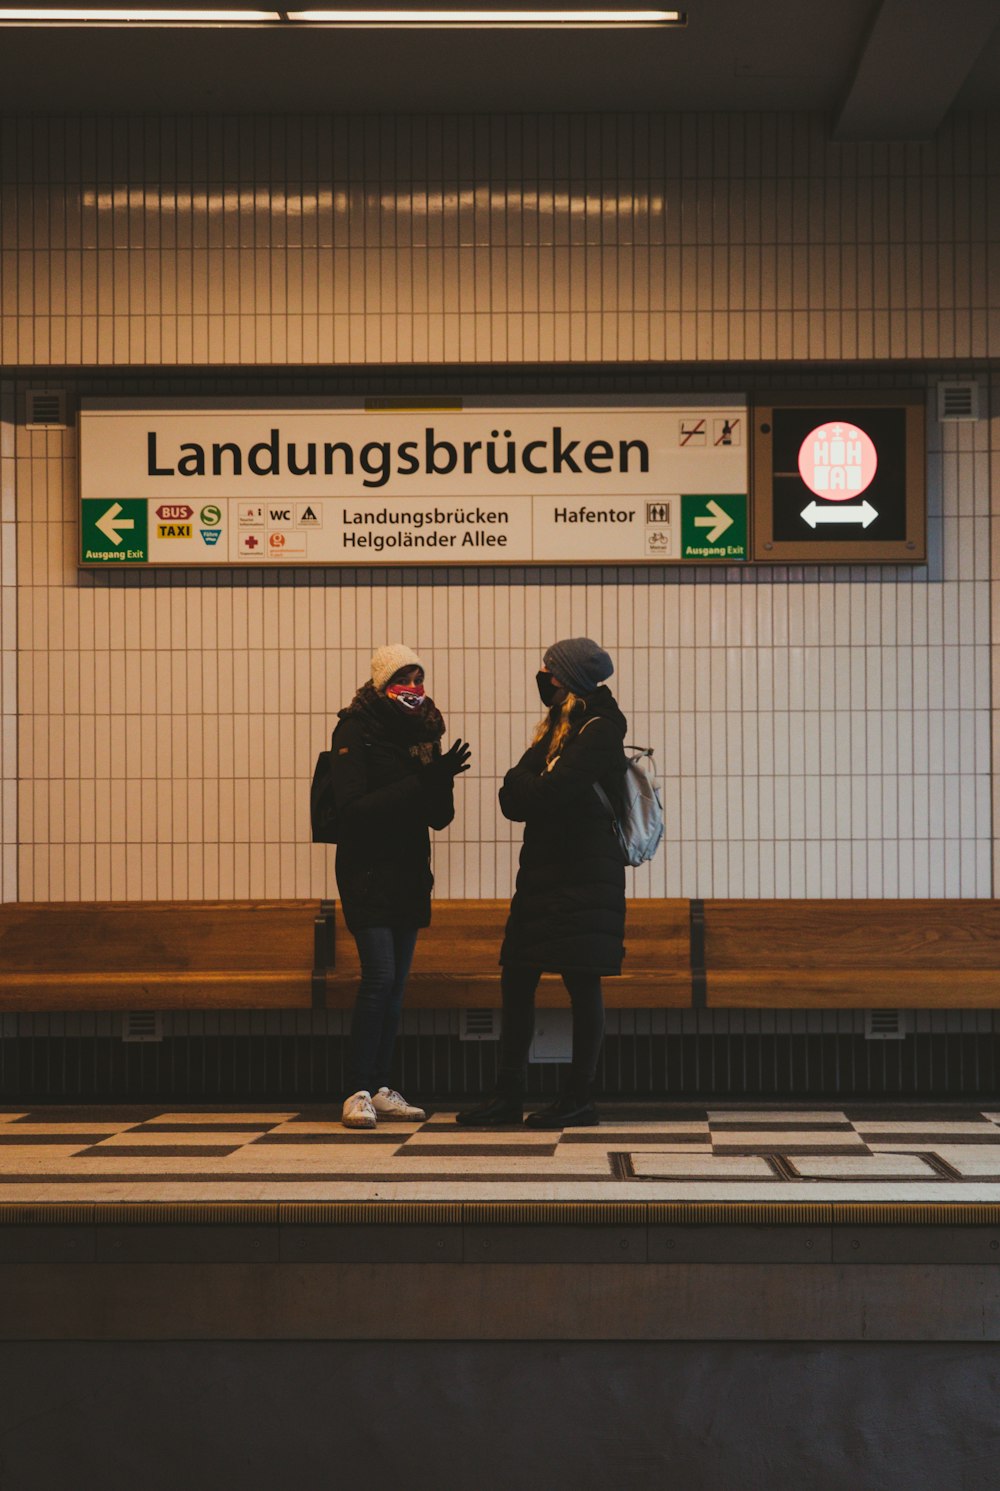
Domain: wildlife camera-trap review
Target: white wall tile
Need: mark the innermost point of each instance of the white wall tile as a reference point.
(820, 731)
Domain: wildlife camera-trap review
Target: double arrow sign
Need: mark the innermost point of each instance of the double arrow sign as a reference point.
(853, 513)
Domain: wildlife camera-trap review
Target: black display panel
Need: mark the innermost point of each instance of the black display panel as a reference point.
(840, 479)
(803, 512)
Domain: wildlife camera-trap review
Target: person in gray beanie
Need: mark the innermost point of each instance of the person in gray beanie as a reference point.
(391, 783)
(568, 911)
(580, 663)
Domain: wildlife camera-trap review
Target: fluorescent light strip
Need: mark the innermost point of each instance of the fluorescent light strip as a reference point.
(123, 14)
(167, 16)
(487, 17)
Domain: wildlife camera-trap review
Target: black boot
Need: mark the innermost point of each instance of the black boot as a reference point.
(503, 1108)
(571, 1110)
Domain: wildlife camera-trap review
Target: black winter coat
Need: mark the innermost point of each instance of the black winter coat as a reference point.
(386, 800)
(568, 911)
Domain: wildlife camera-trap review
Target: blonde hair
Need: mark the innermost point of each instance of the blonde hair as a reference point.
(559, 725)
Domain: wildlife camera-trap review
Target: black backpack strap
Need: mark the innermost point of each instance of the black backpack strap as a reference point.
(605, 799)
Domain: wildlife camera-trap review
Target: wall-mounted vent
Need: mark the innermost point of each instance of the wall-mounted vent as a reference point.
(885, 1025)
(142, 1025)
(45, 409)
(479, 1025)
(958, 401)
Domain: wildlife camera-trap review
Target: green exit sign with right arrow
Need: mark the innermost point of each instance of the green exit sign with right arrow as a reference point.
(714, 527)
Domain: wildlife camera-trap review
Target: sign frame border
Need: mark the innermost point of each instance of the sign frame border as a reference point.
(766, 549)
(415, 403)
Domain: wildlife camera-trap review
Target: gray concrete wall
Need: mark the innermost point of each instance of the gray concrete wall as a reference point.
(438, 1416)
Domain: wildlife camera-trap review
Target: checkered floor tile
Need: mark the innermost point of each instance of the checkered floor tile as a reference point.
(651, 1151)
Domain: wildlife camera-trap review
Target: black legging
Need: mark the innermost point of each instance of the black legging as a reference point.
(518, 985)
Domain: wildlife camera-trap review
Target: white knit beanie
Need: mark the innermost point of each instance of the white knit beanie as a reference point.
(389, 659)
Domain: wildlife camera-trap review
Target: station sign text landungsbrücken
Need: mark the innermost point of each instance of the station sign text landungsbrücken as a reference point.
(660, 482)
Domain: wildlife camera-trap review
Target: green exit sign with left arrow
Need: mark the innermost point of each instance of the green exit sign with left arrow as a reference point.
(115, 532)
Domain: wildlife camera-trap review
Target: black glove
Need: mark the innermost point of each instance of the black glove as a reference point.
(452, 762)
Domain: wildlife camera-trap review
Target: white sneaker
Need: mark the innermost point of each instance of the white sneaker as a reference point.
(358, 1111)
(388, 1103)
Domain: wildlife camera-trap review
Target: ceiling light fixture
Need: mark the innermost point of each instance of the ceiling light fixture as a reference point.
(372, 16)
(512, 16)
(123, 16)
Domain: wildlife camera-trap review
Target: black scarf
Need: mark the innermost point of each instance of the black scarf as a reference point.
(418, 733)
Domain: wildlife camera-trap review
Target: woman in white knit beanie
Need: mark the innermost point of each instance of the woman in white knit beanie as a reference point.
(391, 783)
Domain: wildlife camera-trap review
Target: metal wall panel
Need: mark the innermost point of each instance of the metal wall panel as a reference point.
(665, 1056)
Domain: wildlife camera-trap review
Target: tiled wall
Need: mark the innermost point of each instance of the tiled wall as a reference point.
(8, 648)
(180, 241)
(820, 731)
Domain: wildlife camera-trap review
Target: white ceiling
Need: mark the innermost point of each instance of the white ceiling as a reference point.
(880, 68)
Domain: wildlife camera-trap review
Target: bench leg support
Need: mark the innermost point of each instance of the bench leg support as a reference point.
(324, 952)
(699, 978)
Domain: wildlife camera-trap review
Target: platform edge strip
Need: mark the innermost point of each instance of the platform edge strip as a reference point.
(131, 1213)
(370, 1213)
(509, 1213)
(916, 1213)
(730, 1213)
(580, 1213)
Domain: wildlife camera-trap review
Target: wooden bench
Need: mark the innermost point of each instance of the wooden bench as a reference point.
(718, 954)
(850, 954)
(137, 955)
(455, 965)
(289, 955)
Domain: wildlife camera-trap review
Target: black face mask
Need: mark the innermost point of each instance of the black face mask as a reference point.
(547, 690)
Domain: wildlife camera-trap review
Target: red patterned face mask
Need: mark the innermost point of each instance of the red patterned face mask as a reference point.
(406, 695)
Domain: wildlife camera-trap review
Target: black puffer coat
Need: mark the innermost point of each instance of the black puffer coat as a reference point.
(568, 911)
(386, 798)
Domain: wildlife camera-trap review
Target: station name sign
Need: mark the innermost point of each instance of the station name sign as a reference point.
(654, 482)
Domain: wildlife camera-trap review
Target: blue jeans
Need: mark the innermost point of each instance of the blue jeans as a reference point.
(386, 954)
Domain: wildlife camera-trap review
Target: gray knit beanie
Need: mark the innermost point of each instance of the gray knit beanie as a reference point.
(579, 663)
(389, 659)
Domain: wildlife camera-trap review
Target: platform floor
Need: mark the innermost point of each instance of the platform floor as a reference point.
(655, 1152)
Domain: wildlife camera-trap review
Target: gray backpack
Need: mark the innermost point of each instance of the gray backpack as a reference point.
(639, 829)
